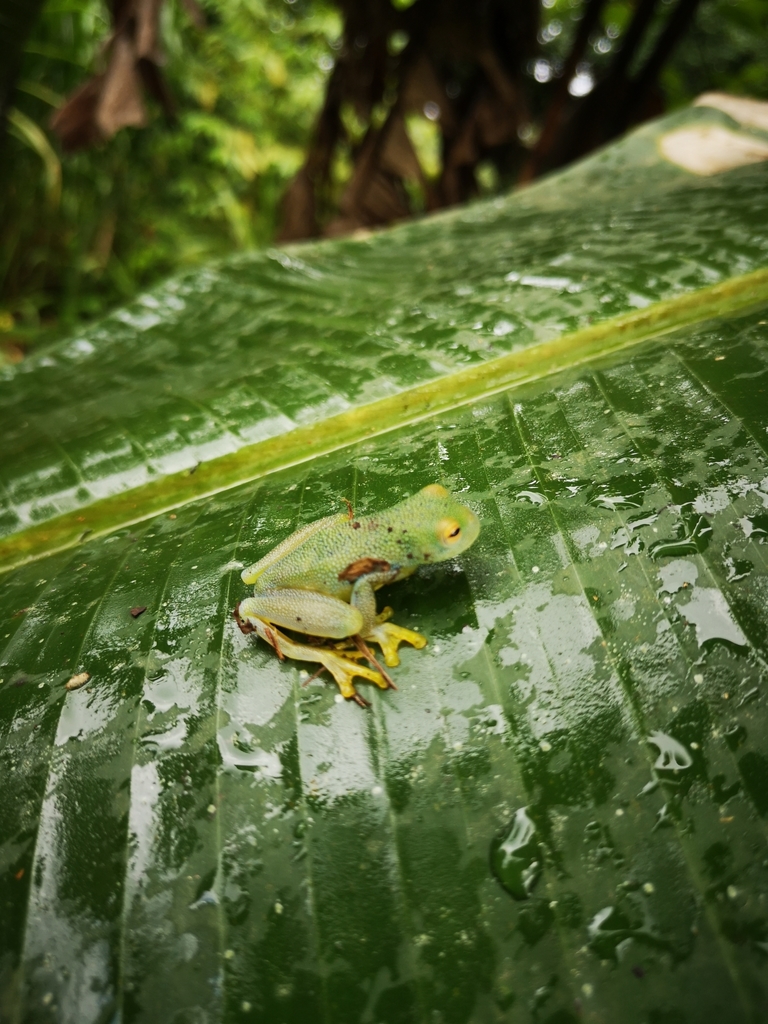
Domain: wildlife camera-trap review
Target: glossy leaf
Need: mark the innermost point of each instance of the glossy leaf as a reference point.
(196, 835)
(241, 368)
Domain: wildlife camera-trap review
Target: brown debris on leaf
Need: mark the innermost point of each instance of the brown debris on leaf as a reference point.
(77, 681)
(138, 610)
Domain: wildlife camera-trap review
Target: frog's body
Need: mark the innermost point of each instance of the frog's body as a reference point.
(321, 580)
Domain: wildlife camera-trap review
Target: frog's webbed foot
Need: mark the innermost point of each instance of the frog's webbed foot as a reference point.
(389, 637)
(381, 631)
(365, 651)
(343, 667)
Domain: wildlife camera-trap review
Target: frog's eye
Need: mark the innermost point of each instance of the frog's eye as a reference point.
(448, 531)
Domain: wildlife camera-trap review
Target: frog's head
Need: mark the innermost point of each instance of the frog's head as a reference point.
(453, 526)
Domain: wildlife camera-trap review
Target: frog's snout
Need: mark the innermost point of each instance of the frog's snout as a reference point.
(470, 531)
(456, 532)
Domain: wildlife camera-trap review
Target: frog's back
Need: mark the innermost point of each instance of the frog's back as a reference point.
(326, 556)
(316, 562)
(378, 541)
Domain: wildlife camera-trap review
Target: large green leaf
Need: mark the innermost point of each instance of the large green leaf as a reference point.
(265, 359)
(560, 814)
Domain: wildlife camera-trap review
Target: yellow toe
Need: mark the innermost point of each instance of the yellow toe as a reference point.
(344, 670)
(389, 637)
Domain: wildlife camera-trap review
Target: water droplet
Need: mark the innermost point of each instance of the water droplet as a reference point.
(614, 501)
(516, 857)
(532, 496)
(672, 755)
(502, 328)
(208, 898)
(676, 575)
(693, 536)
(709, 612)
(649, 787)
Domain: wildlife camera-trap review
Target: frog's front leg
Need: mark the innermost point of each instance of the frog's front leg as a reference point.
(375, 626)
(315, 614)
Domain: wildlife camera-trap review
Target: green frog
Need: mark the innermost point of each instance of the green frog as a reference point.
(321, 581)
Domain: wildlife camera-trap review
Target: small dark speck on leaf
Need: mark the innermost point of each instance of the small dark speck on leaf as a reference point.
(355, 526)
(20, 681)
(389, 529)
(194, 468)
(638, 971)
(410, 555)
(138, 610)
(21, 611)
(19, 874)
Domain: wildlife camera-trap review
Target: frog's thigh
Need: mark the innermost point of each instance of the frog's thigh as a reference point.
(305, 611)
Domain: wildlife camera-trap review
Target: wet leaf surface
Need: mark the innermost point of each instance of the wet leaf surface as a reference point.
(560, 815)
(251, 348)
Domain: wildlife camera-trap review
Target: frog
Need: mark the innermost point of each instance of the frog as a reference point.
(321, 582)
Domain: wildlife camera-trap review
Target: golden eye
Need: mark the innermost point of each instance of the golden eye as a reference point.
(448, 531)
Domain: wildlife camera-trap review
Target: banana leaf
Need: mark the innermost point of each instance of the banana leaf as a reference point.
(560, 814)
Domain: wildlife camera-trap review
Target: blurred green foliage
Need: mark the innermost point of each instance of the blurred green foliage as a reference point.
(82, 233)
(167, 196)
(727, 50)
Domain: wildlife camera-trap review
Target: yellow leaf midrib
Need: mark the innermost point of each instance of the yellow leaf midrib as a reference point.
(382, 416)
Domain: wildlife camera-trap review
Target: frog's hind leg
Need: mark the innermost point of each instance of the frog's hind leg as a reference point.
(376, 628)
(304, 611)
(343, 669)
(259, 615)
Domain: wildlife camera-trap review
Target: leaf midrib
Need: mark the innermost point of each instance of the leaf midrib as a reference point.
(379, 417)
